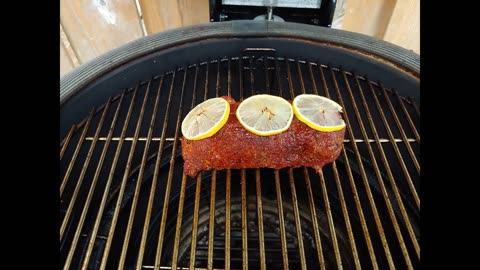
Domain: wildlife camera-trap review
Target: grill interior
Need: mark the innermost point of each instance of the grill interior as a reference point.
(125, 202)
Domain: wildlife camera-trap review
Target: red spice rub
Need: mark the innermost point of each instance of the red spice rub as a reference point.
(234, 147)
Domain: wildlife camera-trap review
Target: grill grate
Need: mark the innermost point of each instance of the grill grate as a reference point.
(125, 202)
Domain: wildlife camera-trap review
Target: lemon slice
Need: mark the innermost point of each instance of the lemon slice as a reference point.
(265, 115)
(206, 119)
(319, 113)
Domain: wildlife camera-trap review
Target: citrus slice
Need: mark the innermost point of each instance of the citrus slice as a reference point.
(206, 119)
(319, 113)
(265, 115)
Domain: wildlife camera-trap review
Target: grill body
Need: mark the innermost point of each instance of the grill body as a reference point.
(125, 202)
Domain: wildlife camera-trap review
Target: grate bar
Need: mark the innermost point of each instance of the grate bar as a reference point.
(155, 177)
(92, 187)
(298, 225)
(111, 232)
(281, 221)
(252, 79)
(359, 207)
(290, 82)
(313, 213)
(133, 208)
(244, 221)
(151, 196)
(402, 132)
(337, 181)
(198, 190)
(260, 219)
(362, 171)
(277, 73)
(300, 76)
(229, 79)
(166, 198)
(213, 183)
(376, 168)
(243, 190)
(171, 139)
(205, 95)
(228, 190)
(93, 235)
(240, 79)
(391, 178)
(312, 79)
(345, 216)
(294, 194)
(395, 147)
(178, 268)
(84, 170)
(414, 105)
(198, 184)
(75, 154)
(331, 224)
(178, 228)
(65, 142)
(184, 180)
(267, 78)
(217, 88)
(409, 119)
(211, 220)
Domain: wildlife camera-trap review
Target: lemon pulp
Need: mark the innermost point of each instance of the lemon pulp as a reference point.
(318, 112)
(206, 119)
(265, 115)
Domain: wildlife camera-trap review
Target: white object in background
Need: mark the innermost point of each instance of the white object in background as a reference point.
(275, 3)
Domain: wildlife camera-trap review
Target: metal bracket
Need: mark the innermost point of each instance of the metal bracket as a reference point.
(259, 52)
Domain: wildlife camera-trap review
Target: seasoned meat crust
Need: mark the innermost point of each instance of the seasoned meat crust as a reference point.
(234, 147)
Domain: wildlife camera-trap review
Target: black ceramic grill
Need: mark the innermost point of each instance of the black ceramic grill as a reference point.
(126, 204)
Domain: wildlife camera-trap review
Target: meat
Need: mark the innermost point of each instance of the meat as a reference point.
(234, 147)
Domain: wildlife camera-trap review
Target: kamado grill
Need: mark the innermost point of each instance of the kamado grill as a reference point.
(126, 204)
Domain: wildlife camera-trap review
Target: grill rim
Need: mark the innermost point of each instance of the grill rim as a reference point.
(78, 78)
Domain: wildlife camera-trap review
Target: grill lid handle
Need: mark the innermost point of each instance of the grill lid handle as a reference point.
(259, 52)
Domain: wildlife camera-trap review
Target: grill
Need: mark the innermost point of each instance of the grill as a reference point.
(138, 209)
(126, 204)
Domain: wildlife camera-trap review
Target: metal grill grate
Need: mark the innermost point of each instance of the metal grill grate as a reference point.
(125, 202)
